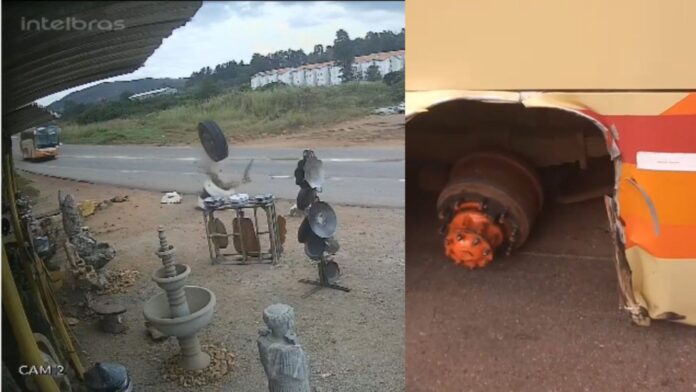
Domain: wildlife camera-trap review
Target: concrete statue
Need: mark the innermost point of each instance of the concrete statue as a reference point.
(283, 359)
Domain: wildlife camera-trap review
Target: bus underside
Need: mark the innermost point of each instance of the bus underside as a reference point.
(497, 158)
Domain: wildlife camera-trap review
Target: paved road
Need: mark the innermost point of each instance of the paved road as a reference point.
(358, 176)
(544, 319)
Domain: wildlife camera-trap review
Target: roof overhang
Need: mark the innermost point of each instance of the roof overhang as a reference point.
(45, 50)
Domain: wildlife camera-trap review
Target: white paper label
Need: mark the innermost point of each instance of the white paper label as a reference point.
(667, 161)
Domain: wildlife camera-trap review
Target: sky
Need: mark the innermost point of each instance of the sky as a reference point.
(226, 31)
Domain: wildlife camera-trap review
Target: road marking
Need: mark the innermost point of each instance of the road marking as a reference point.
(194, 159)
(363, 159)
(119, 157)
(196, 174)
(287, 177)
(338, 160)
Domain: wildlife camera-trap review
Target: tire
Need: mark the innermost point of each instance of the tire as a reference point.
(213, 140)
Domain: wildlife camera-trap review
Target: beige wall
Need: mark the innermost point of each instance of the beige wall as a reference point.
(550, 44)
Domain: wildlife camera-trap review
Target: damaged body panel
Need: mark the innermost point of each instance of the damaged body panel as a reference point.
(651, 140)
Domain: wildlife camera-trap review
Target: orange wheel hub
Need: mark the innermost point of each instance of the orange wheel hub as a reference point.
(489, 205)
(472, 236)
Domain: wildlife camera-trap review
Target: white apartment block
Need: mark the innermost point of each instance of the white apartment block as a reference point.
(386, 62)
(328, 74)
(298, 76)
(335, 75)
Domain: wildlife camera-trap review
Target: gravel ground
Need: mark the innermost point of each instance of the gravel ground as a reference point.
(354, 340)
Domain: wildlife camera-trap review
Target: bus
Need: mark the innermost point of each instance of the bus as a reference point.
(606, 90)
(40, 142)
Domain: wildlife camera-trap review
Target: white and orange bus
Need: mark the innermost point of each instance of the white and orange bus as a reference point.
(581, 84)
(40, 142)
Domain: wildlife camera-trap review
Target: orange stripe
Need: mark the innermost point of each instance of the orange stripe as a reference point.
(673, 242)
(685, 106)
(672, 194)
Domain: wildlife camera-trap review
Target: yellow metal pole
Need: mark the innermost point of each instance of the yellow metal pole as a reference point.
(19, 234)
(10, 167)
(57, 318)
(11, 190)
(20, 327)
(45, 298)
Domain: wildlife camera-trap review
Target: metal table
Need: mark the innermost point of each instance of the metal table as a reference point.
(217, 256)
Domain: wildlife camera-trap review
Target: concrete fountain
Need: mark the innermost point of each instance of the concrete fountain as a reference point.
(181, 310)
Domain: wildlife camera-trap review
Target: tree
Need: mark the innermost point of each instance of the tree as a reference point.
(72, 109)
(258, 63)
(373, 73)
(344, 54)
(125, 95)
(207, 89)
(393, 78)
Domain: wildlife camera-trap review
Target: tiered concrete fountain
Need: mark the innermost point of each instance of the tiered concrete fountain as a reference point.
(181, 310)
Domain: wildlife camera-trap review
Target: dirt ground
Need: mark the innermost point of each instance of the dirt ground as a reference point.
(354, 340)
(369, 132)
(543, 319)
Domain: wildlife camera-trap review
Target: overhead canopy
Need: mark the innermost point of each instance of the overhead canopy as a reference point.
(24, 118)
(52, 46)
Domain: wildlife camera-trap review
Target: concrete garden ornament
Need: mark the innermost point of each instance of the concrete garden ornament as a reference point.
(181, 310)
(283, 359)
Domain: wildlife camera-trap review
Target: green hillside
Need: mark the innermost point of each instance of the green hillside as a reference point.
(241, 114)
(113, 91)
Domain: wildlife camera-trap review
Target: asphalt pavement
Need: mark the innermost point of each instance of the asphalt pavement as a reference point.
(372, 177)
(546, 318)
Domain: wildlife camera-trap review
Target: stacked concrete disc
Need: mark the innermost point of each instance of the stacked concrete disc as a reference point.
(317, 229)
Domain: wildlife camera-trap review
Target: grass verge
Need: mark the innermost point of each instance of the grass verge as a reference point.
(242, 115)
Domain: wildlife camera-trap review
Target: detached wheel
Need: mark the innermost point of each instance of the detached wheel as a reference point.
(213, 140)
(491, 201)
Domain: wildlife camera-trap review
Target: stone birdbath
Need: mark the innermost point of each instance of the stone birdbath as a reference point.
(180, 311)
(110, 313)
